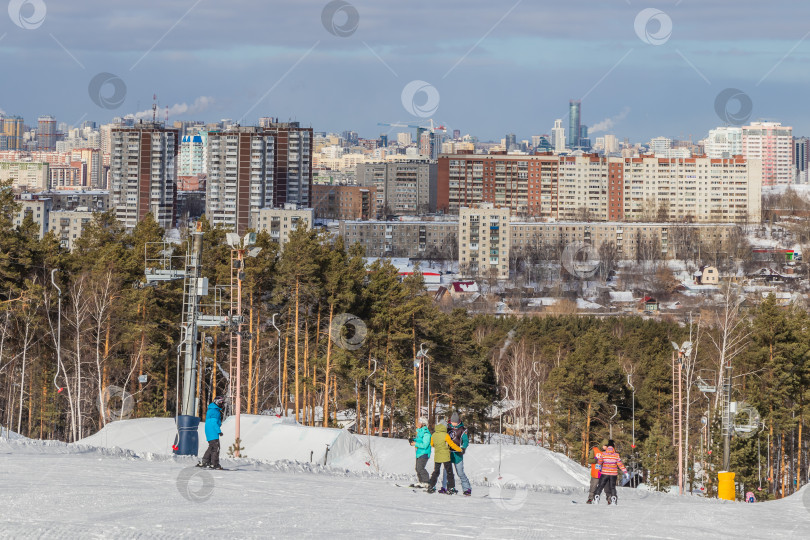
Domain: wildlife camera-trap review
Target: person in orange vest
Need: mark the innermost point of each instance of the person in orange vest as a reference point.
(596, 453)
(610, 463)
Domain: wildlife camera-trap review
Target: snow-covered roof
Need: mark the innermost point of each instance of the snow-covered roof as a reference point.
(542, 301)
(585, 304)
(621, 296)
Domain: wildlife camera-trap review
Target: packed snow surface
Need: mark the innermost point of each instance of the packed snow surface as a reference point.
(56, 490)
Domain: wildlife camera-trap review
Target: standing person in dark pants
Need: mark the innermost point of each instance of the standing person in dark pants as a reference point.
(213, 425)
(610, 463)
(458, 433)
(442, 443)
(422, 444)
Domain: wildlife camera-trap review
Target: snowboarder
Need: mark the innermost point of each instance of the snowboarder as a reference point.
(422, 444)
(458, 433)
(596, 452)
(610, 462)
(749, 497)
(442, 442)
(213, 424)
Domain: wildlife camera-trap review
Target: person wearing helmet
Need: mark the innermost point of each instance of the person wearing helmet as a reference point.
(213, 426)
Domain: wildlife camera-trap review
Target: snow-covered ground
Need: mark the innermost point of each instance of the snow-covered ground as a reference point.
(54, 490)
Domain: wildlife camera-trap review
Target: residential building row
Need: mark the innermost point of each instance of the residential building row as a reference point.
(598, 188)
(484, 237)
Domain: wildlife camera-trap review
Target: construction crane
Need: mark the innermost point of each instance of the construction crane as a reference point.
(433, 128)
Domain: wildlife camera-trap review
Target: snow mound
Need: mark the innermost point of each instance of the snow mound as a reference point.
(268, 438)
(274, 439)
(532, 467)
(6, 433)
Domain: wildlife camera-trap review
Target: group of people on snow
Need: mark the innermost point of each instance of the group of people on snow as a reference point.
(605, 465)
(449, 442)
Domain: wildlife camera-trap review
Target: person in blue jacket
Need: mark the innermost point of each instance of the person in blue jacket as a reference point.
(213, 425)
(422, 444)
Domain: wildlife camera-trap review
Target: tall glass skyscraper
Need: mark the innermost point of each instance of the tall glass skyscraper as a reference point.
(574, 124)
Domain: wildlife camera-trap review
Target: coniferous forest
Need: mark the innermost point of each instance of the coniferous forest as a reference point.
(564, 382)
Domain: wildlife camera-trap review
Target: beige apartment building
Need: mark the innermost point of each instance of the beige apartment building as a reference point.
(38, 208)
(597, 188)
(68, 225)
(483, 247)
(25, 175)
(280, 222)
(417, 239)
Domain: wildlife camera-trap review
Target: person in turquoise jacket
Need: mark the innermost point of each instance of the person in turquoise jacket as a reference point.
(422, 444)
(213, 426)
(458, 433)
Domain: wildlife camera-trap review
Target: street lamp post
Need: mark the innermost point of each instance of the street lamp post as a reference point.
(238, 246)
(684, 350)
(419, 365)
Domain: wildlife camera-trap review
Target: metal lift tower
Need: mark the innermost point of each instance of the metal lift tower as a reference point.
(194, 287)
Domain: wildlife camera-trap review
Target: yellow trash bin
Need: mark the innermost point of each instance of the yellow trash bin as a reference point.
(725, 486)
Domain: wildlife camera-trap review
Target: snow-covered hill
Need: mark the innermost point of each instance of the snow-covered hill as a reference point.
(56, 490)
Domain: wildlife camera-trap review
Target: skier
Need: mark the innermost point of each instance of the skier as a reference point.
(422, 444)
(442, 442)
(458, 433)
(610, 463)
(213, 424)
(596, 452)
(749, 497)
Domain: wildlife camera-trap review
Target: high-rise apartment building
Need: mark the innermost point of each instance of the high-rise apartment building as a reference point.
(483, 242)
(250, 168)
(241, 176)
(801, 154)
(604, 188)
(723, 142)
(772, 144)
(143, 173)
(574, 123)
(558, 136)
(611, 144)
(12, 133)
(93, 173)
(46, 133)
(402, 187)
(511, 142)
(193, 154)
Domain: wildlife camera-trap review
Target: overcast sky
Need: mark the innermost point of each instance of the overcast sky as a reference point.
(488, 68)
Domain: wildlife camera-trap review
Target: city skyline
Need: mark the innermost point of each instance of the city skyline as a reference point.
(487, 70)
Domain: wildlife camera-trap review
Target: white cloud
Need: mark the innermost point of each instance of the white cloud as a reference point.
(201, 104)
(608, 123)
